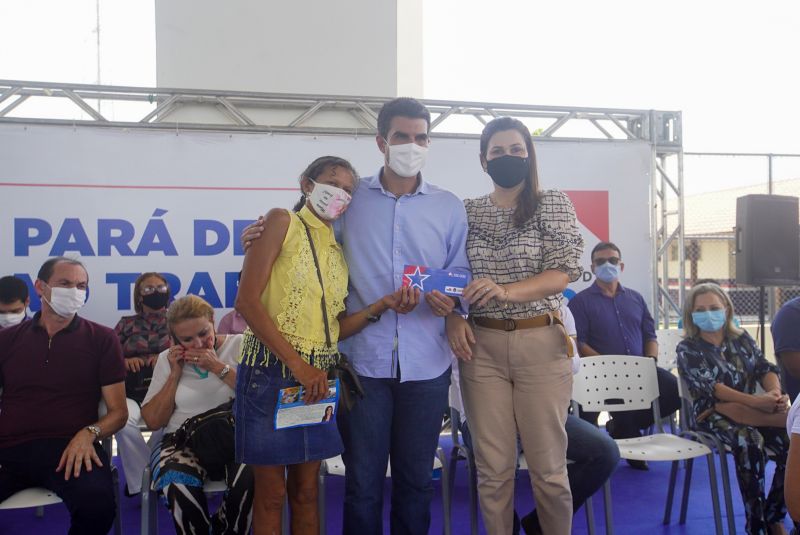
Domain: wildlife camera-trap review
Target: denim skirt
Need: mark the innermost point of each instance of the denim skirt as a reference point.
(257, 440)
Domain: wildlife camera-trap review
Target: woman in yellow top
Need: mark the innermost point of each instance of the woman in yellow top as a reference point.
(290, 340)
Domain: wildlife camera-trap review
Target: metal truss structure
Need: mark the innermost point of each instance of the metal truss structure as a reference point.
(240, 111)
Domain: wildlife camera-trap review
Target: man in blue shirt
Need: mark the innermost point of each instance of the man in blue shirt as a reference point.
(786, 339)
(614, 320)
(403, 360)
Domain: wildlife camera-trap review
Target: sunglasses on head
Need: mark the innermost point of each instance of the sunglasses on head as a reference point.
(613, 261)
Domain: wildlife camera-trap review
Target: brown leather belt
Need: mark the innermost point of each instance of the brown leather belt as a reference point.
(512, 325)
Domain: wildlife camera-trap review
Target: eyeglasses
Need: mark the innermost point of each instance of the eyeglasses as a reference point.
(613, 261)
(148, 290)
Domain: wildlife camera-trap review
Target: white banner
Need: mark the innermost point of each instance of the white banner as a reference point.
(129, 201)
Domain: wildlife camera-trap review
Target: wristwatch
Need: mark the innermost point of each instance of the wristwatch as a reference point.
(372, 318)
(95, 430)
(225, 371)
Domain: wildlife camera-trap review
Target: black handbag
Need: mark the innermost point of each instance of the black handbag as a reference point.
(137, 383)
(349, 383)
(210, 435)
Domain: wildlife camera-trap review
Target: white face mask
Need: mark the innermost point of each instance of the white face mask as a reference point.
(8, 319)
(328, 201)
(408, 159)
(66, 301)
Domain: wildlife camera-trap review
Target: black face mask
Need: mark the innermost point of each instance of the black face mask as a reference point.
(156, 300)
(508, 171)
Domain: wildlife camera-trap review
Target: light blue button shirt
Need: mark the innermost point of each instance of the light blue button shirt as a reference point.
(380, 234)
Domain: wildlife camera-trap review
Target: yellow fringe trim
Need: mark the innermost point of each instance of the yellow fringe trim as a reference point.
(324, 358)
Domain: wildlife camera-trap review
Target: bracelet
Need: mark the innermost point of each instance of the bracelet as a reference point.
(371, 318)
(225, 371)
(505, 297)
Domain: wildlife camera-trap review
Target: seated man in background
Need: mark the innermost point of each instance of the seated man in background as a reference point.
(790, 366)
(54, 370)
(614, 320)
(786, 339)
(14, 301)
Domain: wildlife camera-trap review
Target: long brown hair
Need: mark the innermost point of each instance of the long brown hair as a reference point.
(529, 196)
(690, 330)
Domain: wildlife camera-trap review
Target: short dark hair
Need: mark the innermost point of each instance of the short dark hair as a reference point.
(602, 246)
(401, 107)
(46, 271)
(13, 289)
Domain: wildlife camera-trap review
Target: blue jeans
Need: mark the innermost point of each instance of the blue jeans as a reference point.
(398, 419)
(594, 457)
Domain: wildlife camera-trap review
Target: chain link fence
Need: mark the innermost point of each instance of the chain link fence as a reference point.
(712, 183)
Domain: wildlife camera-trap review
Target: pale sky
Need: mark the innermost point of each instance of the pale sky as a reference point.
(730, 67)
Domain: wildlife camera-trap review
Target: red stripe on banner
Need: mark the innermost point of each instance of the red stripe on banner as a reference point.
(591, 207)
(122, 186)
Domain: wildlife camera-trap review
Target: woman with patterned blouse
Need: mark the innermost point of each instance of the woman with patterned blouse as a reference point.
(524, 248)
(295, 314)
(722, 366)
(143, 336)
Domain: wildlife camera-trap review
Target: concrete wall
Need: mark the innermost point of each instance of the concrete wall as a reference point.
(353, 47)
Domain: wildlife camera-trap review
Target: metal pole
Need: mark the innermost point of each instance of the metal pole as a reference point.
(655, 217)
(97, 30)
(681, 233)
(761, 317)
(769, 176)
(664, 236)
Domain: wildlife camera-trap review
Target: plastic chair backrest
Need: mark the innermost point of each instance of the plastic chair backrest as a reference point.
(30, 497)
(616, 383)
(668, 339)
(455, 426)
(687, 401)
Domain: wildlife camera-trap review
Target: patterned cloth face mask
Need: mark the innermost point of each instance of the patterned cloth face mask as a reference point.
(328, 201)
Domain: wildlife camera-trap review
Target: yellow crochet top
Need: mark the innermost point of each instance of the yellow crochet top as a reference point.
(293, 296)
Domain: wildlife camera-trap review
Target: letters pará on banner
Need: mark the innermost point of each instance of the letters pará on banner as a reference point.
(429, 279)
(119, 236)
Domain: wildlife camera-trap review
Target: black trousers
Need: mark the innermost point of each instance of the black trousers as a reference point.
(628, 424)
(89, 497)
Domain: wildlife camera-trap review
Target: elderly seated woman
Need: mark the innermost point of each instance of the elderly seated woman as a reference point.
(722, 366)
(196, 375)
(143, 336)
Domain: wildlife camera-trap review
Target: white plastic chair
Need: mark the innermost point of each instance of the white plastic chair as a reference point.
(335, 467)
(668, 339)
(620, 383)
(38, 498)
(716, 444)
(461, 450)
(150, 502)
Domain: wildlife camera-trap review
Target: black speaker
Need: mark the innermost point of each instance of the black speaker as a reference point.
(767, 240)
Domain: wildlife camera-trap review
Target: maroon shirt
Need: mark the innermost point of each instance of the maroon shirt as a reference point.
(51, 387)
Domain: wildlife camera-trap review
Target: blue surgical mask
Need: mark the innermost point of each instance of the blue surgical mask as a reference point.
(607, 272)
(709, 320)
